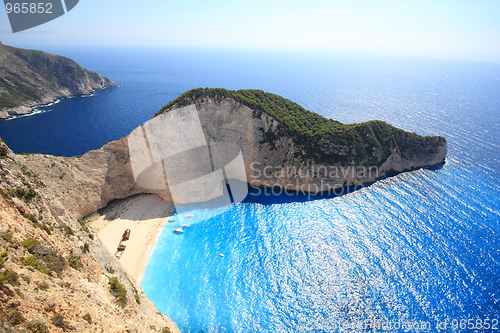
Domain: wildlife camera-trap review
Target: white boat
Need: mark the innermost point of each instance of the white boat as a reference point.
(188, 215)
(221, 254)
(185, 225)
(178, 230)
(171, 220)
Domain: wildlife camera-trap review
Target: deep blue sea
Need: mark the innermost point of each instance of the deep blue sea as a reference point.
(417, 252)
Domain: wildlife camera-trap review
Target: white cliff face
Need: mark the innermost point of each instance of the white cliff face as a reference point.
(89, 182)
(73, 187)
(280, 163)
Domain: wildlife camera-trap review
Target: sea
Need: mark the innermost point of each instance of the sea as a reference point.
(415, 252)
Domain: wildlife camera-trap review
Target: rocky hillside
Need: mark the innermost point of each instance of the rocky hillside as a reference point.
(29, 78)
(55, 275)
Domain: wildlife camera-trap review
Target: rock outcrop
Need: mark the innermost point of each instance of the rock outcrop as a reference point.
(55, 275)
(45, 197)
(86, 183)
(280, 148)
(272, 156)
(29, 78)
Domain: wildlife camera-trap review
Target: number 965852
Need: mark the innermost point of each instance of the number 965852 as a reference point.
(29, 8)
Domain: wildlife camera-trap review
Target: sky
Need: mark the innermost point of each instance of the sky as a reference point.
(454, 29)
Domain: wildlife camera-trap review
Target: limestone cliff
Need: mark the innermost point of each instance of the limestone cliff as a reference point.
(45, 197)
(55, 275)
(273, 155)
(29, 78)
(285, 145)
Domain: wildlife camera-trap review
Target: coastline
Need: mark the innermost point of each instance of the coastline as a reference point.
(145, 215)
(31, 110)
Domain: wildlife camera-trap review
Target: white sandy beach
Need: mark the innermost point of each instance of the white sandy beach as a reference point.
(144, 215)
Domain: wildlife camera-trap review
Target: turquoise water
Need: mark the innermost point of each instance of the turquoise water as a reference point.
(404, 249)
(420, 247)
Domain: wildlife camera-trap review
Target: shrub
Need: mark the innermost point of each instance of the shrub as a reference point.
(88, 318)
(11, 278)
(44, 228)
(19, 293)
(54, 262)
(30, 194)
(137, 298)
(166, 330)
(58, 321)
(136, 294)
(3, 278)
(3, 258)
(31, 261)
(67, 231)
(37, 326)
(4, 151)
(42, 285)
(15, 318)
(85, 248)
(19, 192)
(118, 291)
(7, 235)
(30, 217)
(29, 244)
(75, 262)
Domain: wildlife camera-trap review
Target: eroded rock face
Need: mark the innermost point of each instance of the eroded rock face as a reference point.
(29, 78)
(69, 271)
(89, 182)
(69, 188)
(282, 162)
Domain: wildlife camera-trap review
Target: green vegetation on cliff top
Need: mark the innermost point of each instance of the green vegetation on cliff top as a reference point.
(29, 77)
(316, 134)
(293, 116)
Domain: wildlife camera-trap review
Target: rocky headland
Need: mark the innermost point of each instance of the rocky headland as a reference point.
(29, 78)
(48, 197)
(331, 156)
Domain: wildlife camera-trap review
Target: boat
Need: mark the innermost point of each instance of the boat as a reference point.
(171, 220)
(178, 230)
(188, 215)
(126, 235)
(185, 225)
(221, 254)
